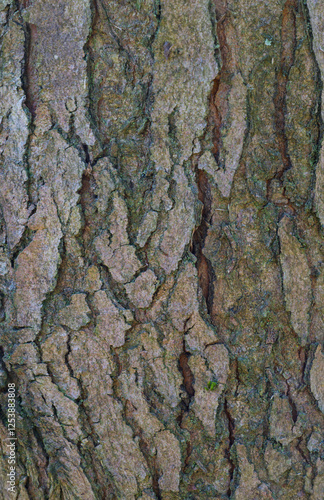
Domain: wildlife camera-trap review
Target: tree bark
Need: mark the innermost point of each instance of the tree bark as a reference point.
(161, 239)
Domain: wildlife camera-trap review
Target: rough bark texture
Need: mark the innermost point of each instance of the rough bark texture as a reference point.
(161, 239)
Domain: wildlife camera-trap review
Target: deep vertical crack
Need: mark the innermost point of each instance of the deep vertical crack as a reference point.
(188, 383)
(30, 90)
(288, 38)
(231, 437)
(204, 268)
(225, 55)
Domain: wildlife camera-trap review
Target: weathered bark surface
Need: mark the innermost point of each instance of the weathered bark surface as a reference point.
(161, 239)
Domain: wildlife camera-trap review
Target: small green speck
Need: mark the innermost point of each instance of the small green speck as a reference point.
(268, 42)
(211, 386)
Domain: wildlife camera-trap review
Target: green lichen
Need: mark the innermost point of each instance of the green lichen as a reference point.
(211, 386)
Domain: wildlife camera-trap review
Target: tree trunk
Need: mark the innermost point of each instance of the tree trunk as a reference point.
(161, 239)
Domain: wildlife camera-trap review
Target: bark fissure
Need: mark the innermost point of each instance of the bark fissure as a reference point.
(30, 103)
(228, 452)
(287, 59)
(205, 271)
(288, 40)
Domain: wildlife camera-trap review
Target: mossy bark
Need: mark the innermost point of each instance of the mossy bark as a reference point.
(162, 248)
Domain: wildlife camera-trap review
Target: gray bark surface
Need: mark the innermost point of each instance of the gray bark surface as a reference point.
(161, 248)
